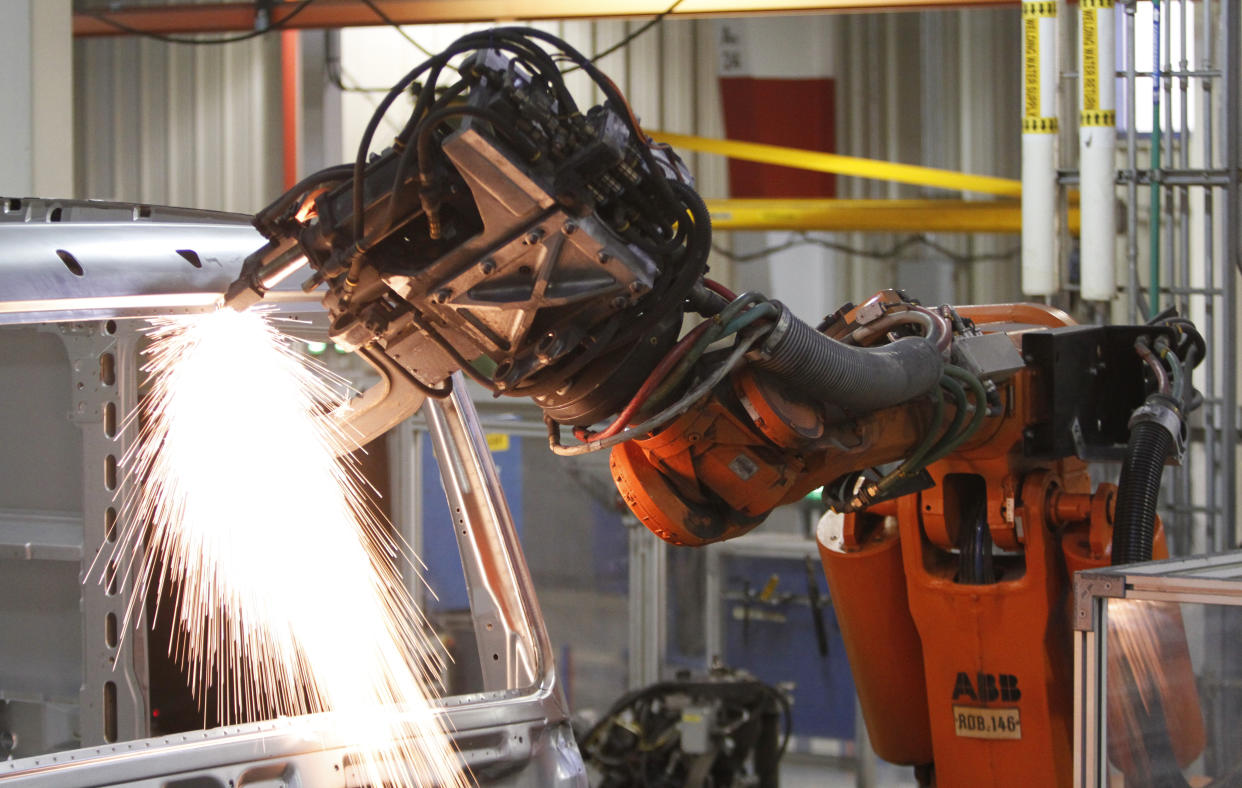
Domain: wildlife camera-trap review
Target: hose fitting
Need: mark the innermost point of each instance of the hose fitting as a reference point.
(1165, 411)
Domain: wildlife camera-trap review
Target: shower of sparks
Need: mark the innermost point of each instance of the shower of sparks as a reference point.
(289, 599)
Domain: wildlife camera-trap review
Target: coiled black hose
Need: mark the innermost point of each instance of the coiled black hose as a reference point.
(1134, 523)
(854, 378)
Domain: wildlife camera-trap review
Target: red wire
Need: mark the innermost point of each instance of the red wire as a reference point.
(657, 375)
(719, 289)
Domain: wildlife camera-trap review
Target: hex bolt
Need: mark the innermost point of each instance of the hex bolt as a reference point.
(488, 267)
(620, 302)
(533, 237)
(443, 294)
(603, 256)
(638, 287)
(569, 228)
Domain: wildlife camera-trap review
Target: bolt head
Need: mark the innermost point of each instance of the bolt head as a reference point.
(533, 237)
(442, 295)
(569, 228)
(603, 256)
(619, 302)
(488, 267)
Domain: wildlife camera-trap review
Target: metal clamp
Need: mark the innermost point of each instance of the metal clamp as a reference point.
(778, 331)
(1163, 410)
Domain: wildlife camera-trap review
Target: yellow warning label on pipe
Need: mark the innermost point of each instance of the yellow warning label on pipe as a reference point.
(1095, 3)
(1099, 117)
(818, 161)
(1039, 125)
(1090, 61)
(1030, 54)
(1034, 10)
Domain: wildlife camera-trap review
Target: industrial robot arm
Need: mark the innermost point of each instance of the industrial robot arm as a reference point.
(556, 254)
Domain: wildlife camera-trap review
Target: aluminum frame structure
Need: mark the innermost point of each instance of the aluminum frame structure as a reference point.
(1212, 580)
(88, 266)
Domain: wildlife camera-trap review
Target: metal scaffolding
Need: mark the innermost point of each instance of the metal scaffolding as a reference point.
(1201, 282)
(1183, 232)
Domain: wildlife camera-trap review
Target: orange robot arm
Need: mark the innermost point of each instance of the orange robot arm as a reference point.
(949, 572)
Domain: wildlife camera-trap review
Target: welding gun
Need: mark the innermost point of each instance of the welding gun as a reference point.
(556, 254)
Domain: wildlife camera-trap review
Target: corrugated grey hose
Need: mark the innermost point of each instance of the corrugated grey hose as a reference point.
(858, 379)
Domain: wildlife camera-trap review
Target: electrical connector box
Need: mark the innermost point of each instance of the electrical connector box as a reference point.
(989, 356)
(696, 729)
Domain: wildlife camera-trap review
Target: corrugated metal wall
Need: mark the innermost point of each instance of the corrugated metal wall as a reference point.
(178, 125)
(941, 89)
(200, 126)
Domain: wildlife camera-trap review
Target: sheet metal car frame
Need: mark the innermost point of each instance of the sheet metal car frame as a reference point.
(79, 269)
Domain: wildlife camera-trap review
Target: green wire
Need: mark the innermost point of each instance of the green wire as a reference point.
(914, 462)
(682, 369)
(951, 438)
(728, 322)
(766, 309)
(735, 306)
(932, 447)
(981, 400)
(1175, 372)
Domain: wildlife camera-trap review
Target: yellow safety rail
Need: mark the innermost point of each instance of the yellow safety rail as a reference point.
(844, 165)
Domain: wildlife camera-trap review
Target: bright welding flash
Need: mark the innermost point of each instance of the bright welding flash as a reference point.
(289, 597)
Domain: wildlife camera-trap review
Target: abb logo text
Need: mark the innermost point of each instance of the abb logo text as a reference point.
(987, 687)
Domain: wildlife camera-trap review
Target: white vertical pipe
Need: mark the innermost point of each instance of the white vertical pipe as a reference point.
(1097, 141)
(1039, 136)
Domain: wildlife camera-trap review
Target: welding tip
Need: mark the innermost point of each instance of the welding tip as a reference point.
(257, 279)
(241, 295)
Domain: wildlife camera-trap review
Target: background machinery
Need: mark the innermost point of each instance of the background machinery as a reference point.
(556, 254)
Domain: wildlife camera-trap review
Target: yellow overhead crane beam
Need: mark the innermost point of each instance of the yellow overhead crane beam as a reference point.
(915, 216)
